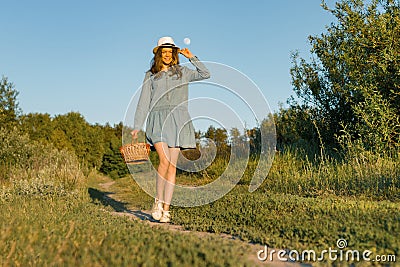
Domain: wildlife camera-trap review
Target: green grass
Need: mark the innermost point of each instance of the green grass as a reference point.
(294, 222)
(303, 204)
(366, 175)
(74, 231)
(286, 221)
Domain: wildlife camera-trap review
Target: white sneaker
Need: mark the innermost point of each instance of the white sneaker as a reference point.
(166, 217)
(157, 210)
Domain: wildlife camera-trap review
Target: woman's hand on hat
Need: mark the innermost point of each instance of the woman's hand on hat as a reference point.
(186, 52)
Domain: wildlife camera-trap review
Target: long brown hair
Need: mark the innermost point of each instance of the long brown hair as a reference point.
(157, 63)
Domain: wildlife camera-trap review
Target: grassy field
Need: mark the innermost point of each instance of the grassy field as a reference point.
(302, 205)
(76, 230)
(287, 221)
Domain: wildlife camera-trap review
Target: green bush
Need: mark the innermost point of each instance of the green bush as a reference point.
(16, 147)
(353, 79)
(9, 110)
(32, 168)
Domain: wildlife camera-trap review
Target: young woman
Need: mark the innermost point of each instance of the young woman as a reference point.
(163, 101)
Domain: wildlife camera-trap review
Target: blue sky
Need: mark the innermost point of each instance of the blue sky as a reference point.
(90, 56)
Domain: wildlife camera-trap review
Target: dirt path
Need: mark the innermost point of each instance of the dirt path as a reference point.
(111, 198)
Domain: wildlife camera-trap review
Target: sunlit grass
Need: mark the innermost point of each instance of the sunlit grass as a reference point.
(47, 217)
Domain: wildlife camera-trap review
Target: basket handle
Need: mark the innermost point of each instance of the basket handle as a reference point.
(134, 140)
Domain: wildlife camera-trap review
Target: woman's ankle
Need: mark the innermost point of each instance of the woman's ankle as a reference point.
(166, 207)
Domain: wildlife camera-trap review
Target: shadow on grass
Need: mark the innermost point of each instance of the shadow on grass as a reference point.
(118, 206)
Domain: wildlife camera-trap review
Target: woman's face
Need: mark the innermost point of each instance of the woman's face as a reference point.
(166, 55)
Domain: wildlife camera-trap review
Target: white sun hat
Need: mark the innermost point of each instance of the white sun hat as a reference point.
(165, 42)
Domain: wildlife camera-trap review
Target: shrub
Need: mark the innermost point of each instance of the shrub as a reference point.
(32, 168)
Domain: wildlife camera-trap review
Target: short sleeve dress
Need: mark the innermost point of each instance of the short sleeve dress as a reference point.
(163, 103)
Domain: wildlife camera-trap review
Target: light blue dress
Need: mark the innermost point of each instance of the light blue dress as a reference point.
(164, 102)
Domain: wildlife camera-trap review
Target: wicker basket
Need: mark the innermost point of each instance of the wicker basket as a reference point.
(135, 153)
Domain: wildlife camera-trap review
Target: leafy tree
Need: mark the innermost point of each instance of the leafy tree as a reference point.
(354, 77)
(295, 128)
(220, 138)
(254, 136)
(15, 149)
(112, 163)
(210, 133)
(236, 137)
(72, 130)
(9, 110)
(39, 126)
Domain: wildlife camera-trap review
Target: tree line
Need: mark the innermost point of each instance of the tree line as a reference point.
(96, 146)
(347, 95)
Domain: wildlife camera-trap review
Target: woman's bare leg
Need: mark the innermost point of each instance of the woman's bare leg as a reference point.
(163, 155)
(171, 177)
